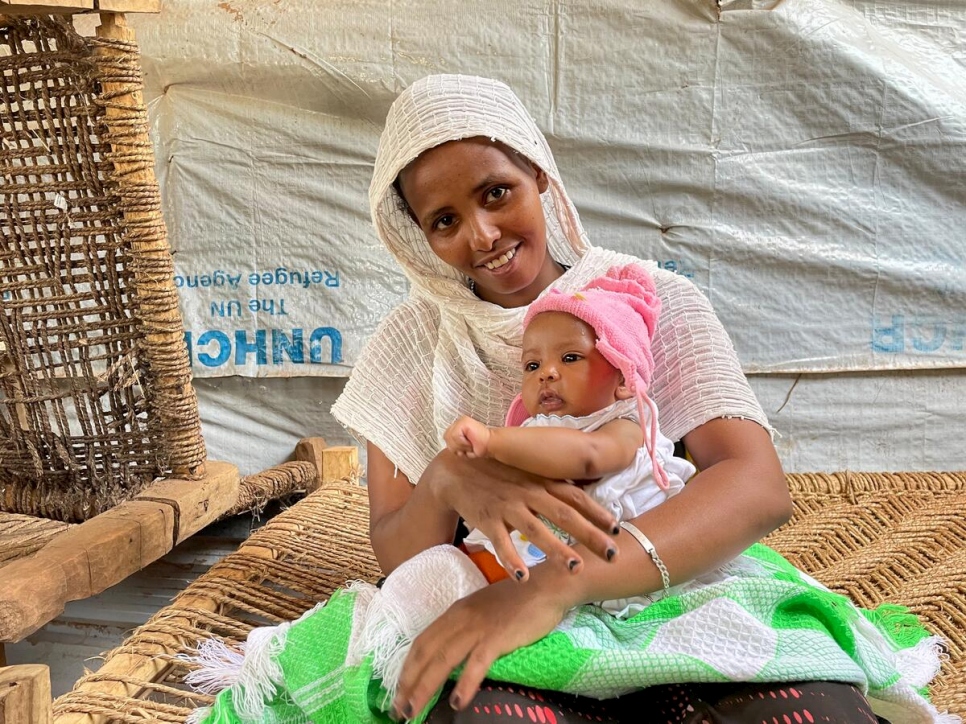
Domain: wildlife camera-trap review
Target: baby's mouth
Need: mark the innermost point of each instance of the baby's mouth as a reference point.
(550, 400)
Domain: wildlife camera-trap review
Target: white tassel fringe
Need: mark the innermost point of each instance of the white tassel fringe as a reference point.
(198, 715)
(220, 664)
(261, 674)
(920, 664)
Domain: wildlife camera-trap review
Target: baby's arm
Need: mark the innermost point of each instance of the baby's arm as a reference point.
(553, 452)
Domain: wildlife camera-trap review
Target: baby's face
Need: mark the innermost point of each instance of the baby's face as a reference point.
(563, 372)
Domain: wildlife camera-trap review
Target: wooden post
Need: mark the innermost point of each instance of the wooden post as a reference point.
(46, 7)
(129, 6)
(311, 450)
(173, 396)
(72, 7)
(25, 695)
(108, 548)
(339, 462)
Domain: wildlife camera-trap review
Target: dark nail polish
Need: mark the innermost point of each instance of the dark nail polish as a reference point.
(519, 574)
(610, 554)
(615, 530)
(454, 702)
(572, 563)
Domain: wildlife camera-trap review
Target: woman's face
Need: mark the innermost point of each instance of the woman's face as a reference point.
(479, 207)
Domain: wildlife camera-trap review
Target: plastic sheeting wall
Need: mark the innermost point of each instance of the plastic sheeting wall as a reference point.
(803, 162)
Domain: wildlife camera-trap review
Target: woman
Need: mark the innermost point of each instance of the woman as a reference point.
(467, 197)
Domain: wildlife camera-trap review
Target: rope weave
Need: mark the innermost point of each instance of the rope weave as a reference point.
(22, 535)
(864, 535)
(295, 560)
(256, 491)
(95, 392)
(889, 538)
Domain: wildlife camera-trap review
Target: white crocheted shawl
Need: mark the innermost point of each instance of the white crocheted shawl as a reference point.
(444, 352)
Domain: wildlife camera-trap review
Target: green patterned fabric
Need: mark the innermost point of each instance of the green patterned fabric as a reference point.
(763, 621)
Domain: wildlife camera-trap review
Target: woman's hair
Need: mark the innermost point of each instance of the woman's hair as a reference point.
(403, 204)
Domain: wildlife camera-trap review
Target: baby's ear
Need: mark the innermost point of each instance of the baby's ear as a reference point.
(623, 391)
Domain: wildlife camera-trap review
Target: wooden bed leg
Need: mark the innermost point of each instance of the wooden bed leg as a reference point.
(25, 695)
(338, 462)
(312, 450)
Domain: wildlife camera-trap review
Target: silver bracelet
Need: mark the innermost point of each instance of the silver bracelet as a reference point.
(651, 551)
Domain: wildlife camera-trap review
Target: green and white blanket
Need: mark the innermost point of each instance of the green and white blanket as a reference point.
(758, 619)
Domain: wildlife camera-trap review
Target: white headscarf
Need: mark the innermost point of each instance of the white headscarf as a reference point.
(444, 352)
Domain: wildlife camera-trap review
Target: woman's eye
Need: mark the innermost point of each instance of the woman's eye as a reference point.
(497, 193)
(443, 222)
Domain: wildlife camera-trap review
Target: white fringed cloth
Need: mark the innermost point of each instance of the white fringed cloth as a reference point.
(444, 352)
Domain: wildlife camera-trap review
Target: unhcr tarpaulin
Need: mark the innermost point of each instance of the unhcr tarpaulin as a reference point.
(803, 161)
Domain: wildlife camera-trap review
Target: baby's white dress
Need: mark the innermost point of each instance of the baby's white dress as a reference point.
(626, 493)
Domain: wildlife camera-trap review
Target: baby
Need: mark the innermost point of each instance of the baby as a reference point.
(584, 414)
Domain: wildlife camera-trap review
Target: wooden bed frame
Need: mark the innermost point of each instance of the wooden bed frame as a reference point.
(898, 538)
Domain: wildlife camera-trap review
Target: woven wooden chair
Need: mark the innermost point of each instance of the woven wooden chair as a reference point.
(103, 467)
(877, 537)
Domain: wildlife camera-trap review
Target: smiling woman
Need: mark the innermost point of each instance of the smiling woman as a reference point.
(467, 197)
(478, 203)
(713, 606)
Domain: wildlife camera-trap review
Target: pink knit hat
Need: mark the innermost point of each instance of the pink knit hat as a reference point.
(623, 308)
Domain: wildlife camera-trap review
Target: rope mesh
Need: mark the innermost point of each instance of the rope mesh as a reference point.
(302, 555)
(258, 490)
(22, 535)
(95, 393)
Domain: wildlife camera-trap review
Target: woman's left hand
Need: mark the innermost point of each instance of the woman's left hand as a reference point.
(475, 631)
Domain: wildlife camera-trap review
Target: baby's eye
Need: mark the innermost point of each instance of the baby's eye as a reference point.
(443, 222)
(571, 357)
(530, 366)
(496, 193)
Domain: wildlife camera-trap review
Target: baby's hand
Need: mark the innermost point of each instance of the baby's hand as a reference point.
(467, 437)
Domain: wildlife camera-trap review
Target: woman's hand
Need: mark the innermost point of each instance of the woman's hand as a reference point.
(476, 631)
(497, 498)
(405, 519)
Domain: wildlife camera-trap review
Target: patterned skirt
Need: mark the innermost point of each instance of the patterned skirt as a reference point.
(779, 703)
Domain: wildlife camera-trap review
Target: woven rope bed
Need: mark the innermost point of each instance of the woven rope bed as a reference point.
(877, 537)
